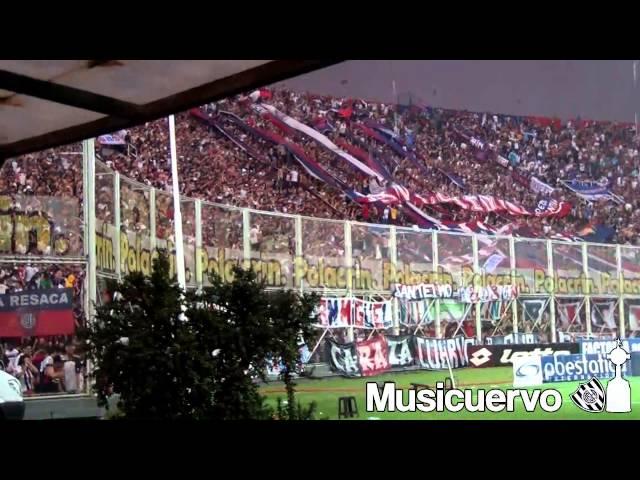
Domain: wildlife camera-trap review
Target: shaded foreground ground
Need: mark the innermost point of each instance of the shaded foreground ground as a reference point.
(326, 392)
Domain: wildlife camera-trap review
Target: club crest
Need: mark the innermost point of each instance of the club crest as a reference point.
(590, 396)
(28, 320)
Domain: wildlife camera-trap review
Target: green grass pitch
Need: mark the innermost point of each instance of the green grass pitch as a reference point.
(325, 392)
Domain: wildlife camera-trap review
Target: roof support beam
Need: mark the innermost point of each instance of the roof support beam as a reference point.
(245, 81)
(74, 97)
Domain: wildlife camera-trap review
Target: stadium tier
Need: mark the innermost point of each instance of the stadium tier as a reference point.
(407, 219)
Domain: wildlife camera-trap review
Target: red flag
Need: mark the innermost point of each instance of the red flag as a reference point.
(265, 94)
(346, 112)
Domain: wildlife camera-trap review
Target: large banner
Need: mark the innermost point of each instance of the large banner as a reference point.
(322, 139)
(344, 359)
(39, 225)
(378, 315)
(473, 203)
(335, 312)
(488, 204)
(373, 356)
(469, 294)
(112, 139)
(383, 353)
(436, 354)
(32, 313)
(591, 190)
(341, 312)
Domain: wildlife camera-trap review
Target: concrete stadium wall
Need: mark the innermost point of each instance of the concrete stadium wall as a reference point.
(51, 408)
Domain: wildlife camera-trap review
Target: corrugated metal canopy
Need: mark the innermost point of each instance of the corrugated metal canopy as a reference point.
(45, 103)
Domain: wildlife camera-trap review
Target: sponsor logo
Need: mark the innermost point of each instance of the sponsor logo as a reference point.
(527, 369)
(567, 368)
(505, 354)
(480, 357)
(508, 355)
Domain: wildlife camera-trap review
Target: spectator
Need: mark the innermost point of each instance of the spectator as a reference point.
(385, 214)
(27, 373)
(11, 354)
(254, 238)
(47, 361)
(394, 214)
(72, 369)
(52, 376)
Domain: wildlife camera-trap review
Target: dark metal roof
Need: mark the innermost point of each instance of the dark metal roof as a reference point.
(46, 103)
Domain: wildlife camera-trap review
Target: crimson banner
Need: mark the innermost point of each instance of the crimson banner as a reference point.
(373, 356)
(37, 313)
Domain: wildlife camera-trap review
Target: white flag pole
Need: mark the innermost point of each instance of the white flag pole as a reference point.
(395, 100)
(635, 85)
(177, 215)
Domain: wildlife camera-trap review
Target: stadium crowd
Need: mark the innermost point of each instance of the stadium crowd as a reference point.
(44, 364)
(220, 160)
(265, 176)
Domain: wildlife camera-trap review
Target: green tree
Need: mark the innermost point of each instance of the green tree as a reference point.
(290, 314)
(146, 354)
(164, 366)
(250, 326)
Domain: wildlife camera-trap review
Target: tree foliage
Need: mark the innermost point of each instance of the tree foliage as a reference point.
(201, 365)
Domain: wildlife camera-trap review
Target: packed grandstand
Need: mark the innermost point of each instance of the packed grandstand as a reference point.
(352, 159)
(334, 158)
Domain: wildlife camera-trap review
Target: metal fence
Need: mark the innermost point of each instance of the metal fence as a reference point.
(575, 287)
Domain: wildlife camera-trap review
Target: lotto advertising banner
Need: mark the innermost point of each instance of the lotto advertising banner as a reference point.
(481, 356)
(37, 313)
(383, 353)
